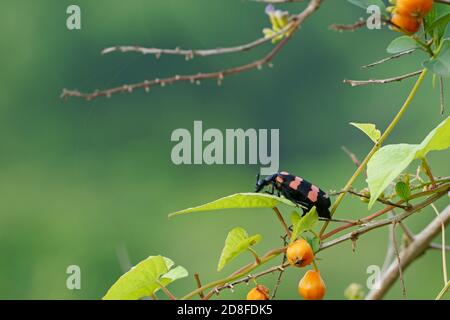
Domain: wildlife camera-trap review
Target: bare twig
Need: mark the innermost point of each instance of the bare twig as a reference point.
(348, 27)
(357, 83)
(293, 26)
(199, 284)
(352, 156)
(398, 55)
(166, 291)
(280, 273)
(390, 248)
(443, 291)
(191, 53)
(409, 254)
(380, 223)
(397, 254)
(444, 258)
(283, 223)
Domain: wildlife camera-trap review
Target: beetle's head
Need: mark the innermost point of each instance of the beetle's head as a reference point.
(260, 183)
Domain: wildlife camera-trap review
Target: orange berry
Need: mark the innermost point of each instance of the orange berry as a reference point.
(259, 292)
(406, 23)
(299, 253)
(311, 286)
(414, 8)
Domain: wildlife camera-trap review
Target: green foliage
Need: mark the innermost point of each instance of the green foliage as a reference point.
(436, 22)
(403, 190)
(302, 224)
(145, 279)
(401, 44)
(313, 241)
(369, 129)
(239, 200)
(237, 242)
(388, 162)
(440, 65)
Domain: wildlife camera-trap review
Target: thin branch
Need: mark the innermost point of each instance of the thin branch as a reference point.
(294, 25)
(166, 291)
(441, 189)
(199, 284)
(281, 272)
(352, 156)
(191, 53)
(441, 95)
(386, 202)
(443, 291)
(283, 223)
(357, 83)
(409, 254)
(390, 248)
(380, 223)
(348, 27)
(245, 279)
(397, 254)
(398, 55)
(444, 258)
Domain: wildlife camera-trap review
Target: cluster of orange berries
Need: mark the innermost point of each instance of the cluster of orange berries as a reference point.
(311, 286)
(408, 14)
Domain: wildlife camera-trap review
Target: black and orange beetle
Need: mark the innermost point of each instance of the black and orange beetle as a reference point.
(298, 191)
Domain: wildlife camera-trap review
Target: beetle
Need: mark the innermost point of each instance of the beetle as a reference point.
(297, 190)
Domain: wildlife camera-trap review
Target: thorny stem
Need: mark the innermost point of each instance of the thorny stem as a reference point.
(375, 148)
(442, 188)
(238, 274)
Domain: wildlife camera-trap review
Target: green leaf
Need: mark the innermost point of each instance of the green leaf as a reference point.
(388, 162)
(366, 3)
(307, 222)
(401, 44)
(145, 279)
(237, 242)
(440, 23)
(438, 139)
(369, 129)
(403, 190)
(440, 65)
(239, 200)
(314, 242)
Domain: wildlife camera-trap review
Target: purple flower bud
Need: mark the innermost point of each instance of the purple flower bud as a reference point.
(270, 9)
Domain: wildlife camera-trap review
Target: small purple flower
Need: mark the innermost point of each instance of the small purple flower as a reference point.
(270, 9)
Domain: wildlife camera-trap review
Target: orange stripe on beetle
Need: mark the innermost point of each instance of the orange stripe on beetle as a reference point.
(295, 183)
(279, 179)
(313, 194)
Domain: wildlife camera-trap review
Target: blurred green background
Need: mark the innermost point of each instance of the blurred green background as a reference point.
(78, 179)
